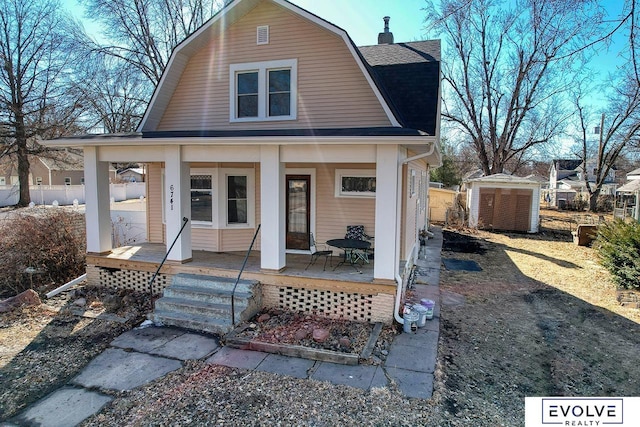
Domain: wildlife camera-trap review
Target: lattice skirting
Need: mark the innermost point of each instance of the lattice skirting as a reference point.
(126, 279)
(335, 305)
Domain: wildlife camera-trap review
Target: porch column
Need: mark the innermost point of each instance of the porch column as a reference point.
(97, 201)
(177, 200)
(387, 217)
(272, 212)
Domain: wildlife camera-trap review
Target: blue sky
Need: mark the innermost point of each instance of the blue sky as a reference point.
(362, 19)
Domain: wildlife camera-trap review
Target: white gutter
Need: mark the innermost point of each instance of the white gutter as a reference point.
(421, 156)
(67, 286)
(399, 281)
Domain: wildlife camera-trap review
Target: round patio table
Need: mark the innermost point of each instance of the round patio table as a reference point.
(349, 246)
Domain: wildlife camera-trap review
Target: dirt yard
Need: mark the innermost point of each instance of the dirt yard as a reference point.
(541, 318)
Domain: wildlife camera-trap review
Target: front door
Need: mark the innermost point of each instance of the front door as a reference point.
(298, 211)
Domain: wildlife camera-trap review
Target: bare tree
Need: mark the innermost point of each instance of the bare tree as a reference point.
(143, 33)
(618, 132)
(508, 65)
(114, 95)
(34, 63)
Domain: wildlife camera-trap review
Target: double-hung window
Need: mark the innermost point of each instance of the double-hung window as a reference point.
(202, 198)
(263, 91)
(237, 199)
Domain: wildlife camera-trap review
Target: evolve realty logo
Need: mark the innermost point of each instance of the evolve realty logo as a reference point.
(595, 411)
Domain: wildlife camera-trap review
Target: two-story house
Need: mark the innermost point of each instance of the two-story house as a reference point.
(270, 116)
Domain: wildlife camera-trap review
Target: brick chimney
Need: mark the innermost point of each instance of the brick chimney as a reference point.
(387, 36)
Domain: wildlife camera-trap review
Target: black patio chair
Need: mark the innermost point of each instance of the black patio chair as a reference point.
(316, 253)
(356, 232)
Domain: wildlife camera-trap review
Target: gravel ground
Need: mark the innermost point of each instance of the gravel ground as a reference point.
(541, 318)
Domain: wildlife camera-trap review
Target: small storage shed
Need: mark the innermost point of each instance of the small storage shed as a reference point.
(504, 202)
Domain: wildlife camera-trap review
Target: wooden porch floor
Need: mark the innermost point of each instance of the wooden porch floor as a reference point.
(147, 257)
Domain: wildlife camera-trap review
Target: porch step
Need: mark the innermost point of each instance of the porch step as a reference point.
(203, 303)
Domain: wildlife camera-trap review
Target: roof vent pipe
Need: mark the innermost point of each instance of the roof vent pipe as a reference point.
(387, 36)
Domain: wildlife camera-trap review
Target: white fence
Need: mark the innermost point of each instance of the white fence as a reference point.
(67, 194)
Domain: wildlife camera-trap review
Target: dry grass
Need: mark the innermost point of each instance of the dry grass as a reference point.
(540, 319)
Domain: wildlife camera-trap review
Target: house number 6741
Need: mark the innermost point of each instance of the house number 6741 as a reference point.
(171, 188)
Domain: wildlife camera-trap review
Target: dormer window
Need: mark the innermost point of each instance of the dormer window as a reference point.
(263, 91)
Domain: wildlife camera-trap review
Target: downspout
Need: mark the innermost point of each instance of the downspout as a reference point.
(399, 281)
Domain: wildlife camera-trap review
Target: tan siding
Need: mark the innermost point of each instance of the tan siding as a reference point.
(439, 200)
(154, 203)
(333, 214)
(332, 91)
(205, 239)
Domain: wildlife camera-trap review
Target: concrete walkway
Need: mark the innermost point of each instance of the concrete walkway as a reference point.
(140, 356)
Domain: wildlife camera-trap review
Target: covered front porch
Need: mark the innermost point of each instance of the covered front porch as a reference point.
(346, 291)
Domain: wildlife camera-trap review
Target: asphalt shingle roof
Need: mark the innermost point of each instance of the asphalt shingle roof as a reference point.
(408, 75)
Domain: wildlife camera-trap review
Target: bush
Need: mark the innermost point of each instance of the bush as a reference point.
(604, 203)
(578, 204)
(50, 243)
(618, 244)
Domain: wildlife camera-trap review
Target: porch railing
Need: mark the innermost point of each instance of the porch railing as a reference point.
(244, 264)
(185, 220)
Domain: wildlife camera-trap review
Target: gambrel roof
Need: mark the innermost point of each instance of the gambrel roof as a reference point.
(403, 77)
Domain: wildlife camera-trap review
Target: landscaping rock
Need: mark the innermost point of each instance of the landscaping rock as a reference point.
(28, 297)
(320, 335)
(80, 302)
(264, 317)
(301, 334)
(345, 342)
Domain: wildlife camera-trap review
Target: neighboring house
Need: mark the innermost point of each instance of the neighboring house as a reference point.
(131, 175)
(504, 202)
(567, 181)
(633, 175)
(270, 116)
(55, 168)
(628, 197)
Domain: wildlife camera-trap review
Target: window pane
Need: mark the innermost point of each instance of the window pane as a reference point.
(237, 211)
(201, 198)
(201, 181)
(359, 184)
(280, 93)
(237, 187)
(280, 81)
(280, 104)
(248, 106)
(201, 206)
(247, 83)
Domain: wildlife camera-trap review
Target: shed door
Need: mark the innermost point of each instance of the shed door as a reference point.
(505, 209)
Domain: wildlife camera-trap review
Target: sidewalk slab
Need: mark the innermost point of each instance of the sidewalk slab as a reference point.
(63, 408)
(412, 358)
(412, 384)
(359, 376)
(145, 340)
(187, 347)
(236, 358)
(117, 369)
(285, 365)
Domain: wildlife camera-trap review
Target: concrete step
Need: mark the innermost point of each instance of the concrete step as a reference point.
(199, 308)
(214, 296)
(203, 303)
(217, 326)
(211, 282)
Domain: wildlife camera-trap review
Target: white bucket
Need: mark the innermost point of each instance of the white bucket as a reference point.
(429, 305)
(422, 313)
(410, 322)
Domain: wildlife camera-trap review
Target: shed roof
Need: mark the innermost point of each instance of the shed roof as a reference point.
(505, 178)
(630, 187)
